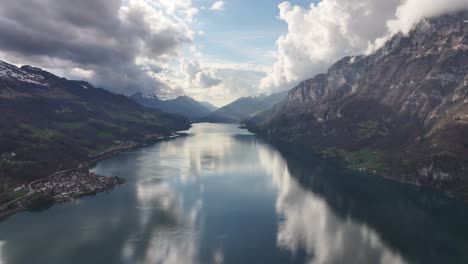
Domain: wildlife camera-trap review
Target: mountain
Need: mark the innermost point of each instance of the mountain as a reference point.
(209, 106)
(243, 108)
(401, 112)
(182, 105)
(48, 122)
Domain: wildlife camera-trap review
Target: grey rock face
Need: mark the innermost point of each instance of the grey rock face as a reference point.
(408, 101)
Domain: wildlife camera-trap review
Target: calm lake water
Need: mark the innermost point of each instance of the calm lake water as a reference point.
(223, 195)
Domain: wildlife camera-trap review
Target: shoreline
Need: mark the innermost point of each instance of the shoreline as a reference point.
(49, 186)
(449, 191)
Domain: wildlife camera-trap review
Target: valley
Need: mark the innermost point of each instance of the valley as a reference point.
(49, 124)
(219, 132)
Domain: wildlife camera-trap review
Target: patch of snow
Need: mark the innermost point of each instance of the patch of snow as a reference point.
(14, 73)
(3, 72)
(150, 96)
(23, 76)
(84, 86)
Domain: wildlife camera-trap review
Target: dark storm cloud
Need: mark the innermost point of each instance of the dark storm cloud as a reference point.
(91, 35)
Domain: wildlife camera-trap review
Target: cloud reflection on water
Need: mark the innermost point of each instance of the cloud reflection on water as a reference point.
(185, 160)
(2, 257)
(168, 229)
(309, 224)
(306, 222)
(175, 240)
(224, 195)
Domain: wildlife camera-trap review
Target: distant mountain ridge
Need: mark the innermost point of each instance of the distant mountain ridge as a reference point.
(244, 108)
(48, 122)
(401, 112)
(209, 106)
(182, 105)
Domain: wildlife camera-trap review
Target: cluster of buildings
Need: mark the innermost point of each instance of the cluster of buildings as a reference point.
(81, 182)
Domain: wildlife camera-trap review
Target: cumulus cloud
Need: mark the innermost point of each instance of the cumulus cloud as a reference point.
(201, 77)
(238, 81)
(325, 32)
(410, 12)
(81, 73)
(322, 34)
(190, 68)
(230, 81)
(218, 5)
(99, 40)
(206, 80)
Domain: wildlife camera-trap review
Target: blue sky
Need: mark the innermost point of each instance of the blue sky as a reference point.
(241, 33)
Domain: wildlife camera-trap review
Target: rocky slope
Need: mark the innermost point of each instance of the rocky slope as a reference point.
(400, 112)
(48, 122)
(182, 105)
(244, 108)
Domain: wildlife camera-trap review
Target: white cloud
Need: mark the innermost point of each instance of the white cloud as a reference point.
(324, 33)
(410, 12)
(206, 80)
(218, 5)
(196, 75)
(82, 73)
(184, 7)
(190, 68)
(115, 44)
(218, 83)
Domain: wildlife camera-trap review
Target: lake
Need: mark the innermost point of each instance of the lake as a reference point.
(220, 194)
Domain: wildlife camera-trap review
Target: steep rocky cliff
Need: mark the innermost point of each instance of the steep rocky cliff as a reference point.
(401, 112)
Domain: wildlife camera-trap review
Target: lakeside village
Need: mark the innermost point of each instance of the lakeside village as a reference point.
(73, 183)
(62, 187)
(66, 185)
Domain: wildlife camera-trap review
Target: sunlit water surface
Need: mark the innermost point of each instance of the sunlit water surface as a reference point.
(223, 195)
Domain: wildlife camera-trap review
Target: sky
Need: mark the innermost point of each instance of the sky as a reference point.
(211, 50)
